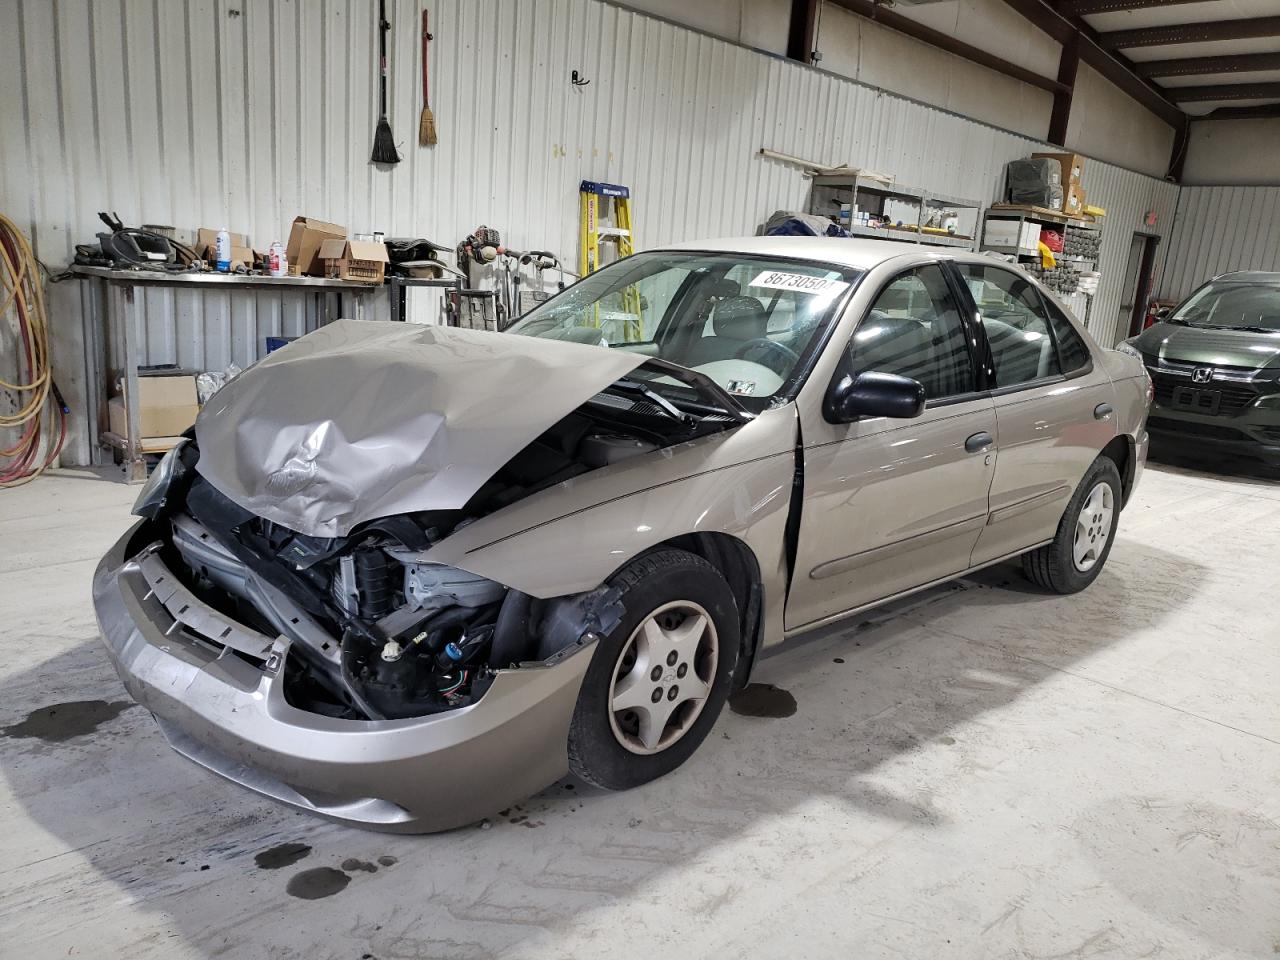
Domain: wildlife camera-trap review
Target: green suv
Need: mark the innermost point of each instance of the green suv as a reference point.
(1215, 363)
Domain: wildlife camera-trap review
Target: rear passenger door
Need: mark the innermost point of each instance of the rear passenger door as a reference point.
(1050, 409)
(892, 504)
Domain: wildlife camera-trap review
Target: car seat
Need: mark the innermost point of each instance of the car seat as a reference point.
(735, 322)
(1020, 355)
(901, 345)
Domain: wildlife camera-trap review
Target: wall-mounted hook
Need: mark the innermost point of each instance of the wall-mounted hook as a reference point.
(577, 79)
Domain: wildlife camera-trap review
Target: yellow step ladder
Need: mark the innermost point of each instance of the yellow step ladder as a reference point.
(595, 200)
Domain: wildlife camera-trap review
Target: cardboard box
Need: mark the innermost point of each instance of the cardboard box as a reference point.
(1072, 165)
(362, 261)
(241, 253)
(1073, 200)
(166, 407)
(1011, 235)
(305, 238)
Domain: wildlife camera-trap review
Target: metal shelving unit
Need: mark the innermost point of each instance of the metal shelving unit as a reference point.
(1021, 215)
(868, 193)
(1044, 218)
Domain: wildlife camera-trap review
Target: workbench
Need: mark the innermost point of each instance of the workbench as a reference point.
(115, 333)
(398, 286)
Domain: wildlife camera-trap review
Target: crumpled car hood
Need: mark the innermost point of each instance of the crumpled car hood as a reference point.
(366, 419)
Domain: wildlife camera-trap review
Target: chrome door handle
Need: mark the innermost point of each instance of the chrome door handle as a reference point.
(1103, 411)
(979, 442)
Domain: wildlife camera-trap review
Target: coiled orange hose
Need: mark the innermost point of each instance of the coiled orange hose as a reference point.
(22, 292)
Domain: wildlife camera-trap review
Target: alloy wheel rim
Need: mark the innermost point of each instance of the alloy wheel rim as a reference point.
(663, 677)
(1093, 527)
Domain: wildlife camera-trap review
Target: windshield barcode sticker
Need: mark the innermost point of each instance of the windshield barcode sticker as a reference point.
(800, 283)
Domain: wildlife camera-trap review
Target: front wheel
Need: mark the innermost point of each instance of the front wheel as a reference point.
(1085, 534)
(658, 681)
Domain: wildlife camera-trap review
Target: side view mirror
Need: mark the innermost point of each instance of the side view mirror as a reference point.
(872, 394)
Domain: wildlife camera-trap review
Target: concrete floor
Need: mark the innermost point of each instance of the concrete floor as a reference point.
(983, 772)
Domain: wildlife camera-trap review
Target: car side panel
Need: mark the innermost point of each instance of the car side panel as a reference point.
(571, 537)
(888, 505)
(1048, 436)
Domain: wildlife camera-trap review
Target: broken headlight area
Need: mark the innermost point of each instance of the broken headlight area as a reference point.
(375, 633)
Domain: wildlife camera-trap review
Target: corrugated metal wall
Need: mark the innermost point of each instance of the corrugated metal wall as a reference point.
(245, 113)
(1128, 197)
(1220, 229)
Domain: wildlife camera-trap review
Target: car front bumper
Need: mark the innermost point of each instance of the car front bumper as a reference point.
(1254, 434)
(230, 715)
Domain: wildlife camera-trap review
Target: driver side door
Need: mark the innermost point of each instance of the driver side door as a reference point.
(889, 504)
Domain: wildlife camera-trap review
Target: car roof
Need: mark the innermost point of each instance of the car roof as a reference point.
(1250, 276)
(860, 253)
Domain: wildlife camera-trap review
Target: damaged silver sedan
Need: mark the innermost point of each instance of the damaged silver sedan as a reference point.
(402, 576)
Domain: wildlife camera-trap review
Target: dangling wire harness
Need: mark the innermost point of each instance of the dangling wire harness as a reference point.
(38, 399)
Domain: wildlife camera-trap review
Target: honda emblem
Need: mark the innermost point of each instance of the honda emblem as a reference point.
(1202, 374)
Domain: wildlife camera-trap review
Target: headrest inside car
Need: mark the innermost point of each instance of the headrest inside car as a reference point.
(739, 318)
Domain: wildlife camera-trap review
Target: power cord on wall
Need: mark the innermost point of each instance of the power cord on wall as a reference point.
(39, 400)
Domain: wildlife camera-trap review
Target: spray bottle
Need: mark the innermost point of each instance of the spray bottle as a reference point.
(277, 261)
(222, 249)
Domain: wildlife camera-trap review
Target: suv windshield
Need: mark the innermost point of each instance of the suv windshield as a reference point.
(1233, 305)
(750, 324)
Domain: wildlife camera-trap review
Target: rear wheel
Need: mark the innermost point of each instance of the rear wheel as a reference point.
(1085, 534)
(656, 683)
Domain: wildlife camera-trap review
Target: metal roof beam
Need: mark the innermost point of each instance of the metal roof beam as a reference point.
(1068, 66)
(1226, 91)
(1193, 66)
(944, 41)
(1115, 67)
(1080, 8)
(1191, 33)
(1256, 112)
(801, 30)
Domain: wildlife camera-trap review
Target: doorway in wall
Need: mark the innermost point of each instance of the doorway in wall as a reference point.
(1138, 281)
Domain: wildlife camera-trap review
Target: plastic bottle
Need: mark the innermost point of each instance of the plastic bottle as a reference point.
(223, 251)
(277, 262)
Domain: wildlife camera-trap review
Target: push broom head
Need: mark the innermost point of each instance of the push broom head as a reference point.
(427, 128)
(384, 144)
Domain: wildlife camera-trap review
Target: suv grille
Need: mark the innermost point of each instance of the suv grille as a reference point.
(1220, 398)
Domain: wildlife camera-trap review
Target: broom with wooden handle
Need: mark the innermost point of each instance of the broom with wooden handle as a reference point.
(427, 123)
(384, 144)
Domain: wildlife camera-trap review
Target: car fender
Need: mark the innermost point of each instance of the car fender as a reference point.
(572, 537)
(1129, 382)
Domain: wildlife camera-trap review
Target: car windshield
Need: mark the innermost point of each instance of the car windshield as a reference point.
(748, 323)
(1233, 305)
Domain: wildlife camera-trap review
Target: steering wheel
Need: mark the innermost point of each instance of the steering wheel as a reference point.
(769, 346)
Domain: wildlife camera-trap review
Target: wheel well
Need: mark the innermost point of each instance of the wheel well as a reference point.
(735, 560)
(1120, 452)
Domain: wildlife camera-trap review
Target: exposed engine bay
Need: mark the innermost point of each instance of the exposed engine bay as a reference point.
(375, 632)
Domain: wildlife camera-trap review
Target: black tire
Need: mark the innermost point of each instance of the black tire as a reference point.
(647, 583)
(1053, 566)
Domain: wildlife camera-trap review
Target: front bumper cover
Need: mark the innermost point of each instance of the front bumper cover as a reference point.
(408, 776)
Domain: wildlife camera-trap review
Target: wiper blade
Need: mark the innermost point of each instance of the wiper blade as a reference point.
(1254, 329)
(626, 385)
(719, 399)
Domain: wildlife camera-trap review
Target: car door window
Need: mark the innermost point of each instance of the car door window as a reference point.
(1016, 324)
(914, 329)
(1072, 350)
